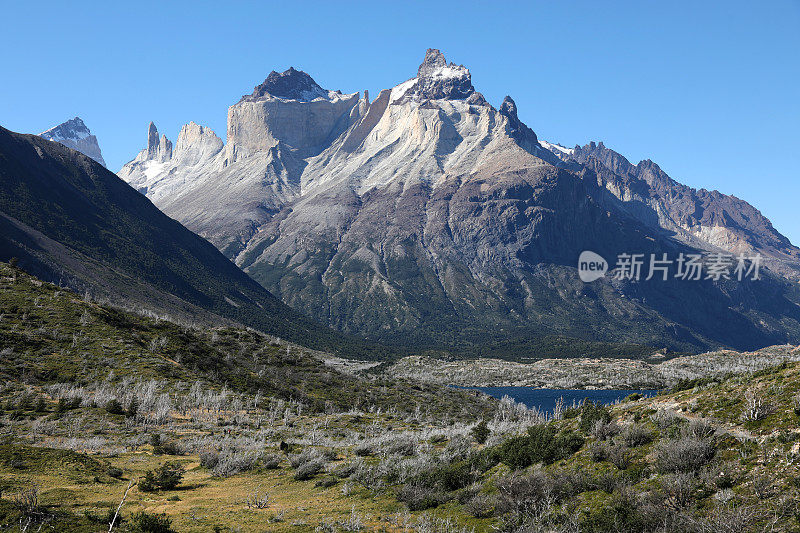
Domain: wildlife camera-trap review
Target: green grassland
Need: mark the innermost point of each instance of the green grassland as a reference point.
(267, 438)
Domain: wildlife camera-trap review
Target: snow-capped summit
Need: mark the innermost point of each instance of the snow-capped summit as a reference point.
(439, 80)
(74, 134)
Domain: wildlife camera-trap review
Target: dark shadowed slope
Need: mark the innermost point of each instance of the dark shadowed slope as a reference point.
(69, 219)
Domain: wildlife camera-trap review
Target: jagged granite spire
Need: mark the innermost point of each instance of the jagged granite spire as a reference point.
(74, 134)
(434, 60)
(518, 130)
(159, 149)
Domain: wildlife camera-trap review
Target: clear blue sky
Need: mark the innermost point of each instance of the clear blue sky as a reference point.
(708, 90)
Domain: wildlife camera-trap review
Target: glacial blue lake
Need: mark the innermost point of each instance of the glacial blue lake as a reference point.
(545, 399)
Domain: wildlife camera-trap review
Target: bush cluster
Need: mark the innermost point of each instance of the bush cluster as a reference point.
(541, 445)
(165, 477)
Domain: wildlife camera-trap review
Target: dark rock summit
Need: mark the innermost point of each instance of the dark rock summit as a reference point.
(438, 80)
(291, 84)
(519, 131)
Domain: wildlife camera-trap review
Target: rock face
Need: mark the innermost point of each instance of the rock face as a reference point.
(74, 134)
(428, 217)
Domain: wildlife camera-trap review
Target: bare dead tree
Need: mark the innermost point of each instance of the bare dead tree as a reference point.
(116, 513)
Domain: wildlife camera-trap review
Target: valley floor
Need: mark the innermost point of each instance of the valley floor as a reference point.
(229, 430)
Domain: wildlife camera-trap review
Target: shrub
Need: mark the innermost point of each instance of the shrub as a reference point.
(480, 432)
(152, 523)
(756, 407)
(133, 407)
(679, 487)
(619, 455)
(449, 477)
(232, 463)
(41, 406)
(348, 469)
(114, 472)
(480, 506)
(209, 458)
(520, 492)
(65, 405)
(165, 477)
(327, 481)
(418, 497)
(636, 435)
(114, 407)
(306, 456)
(540, 445)
(591, 414)
(169, 448)
(405, 446)
(598, 451)
(604, 430)
(365, 449)
(308, 470)
(571, 412)
(664, 418)
(257, 500)
(685, 454)
(272, 461)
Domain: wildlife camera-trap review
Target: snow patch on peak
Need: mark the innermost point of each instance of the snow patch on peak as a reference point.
(399, 91)
(555, 147)
(448, 72)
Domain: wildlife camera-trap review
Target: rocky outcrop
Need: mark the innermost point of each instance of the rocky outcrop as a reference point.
(74, 134)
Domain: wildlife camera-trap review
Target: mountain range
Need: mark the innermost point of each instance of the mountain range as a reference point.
(428, 217)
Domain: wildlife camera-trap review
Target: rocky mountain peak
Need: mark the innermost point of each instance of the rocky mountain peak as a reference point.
(196, 144)
(611, 159)
(290, 84)
(509, 108)
(74, 128)
(74, 134)
(158, 148)
(152, 139)
(434, 59)
(436, 79)
(517, 129)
